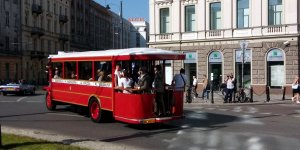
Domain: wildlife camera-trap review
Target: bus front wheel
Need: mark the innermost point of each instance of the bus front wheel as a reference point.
(95, 111)
(49, 102)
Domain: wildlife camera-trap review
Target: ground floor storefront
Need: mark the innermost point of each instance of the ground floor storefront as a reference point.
(15, 68)
(267, 62)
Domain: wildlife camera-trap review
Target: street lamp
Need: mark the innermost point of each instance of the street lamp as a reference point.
(243, 45)
(121, 21)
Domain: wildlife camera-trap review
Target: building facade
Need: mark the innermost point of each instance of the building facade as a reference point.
(45, 30)
(139, 32)
(10, 31)
(212, 32)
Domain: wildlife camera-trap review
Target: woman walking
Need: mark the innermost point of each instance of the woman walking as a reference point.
(296, 90)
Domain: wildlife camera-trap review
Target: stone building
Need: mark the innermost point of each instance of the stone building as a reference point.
(10, 51)
(212, 32)
(45, 30)
(139, 32)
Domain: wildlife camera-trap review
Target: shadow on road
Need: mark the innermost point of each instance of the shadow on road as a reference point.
(209, 121)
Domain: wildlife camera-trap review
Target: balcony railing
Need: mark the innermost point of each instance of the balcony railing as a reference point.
(63, 37)
(37, 54)
(63, 18)
(278, 30)
(37, 9)
(37, 31)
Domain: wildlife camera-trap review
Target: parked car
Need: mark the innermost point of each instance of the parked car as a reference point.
(19, 89)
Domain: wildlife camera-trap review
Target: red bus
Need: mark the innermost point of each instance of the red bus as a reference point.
(74, 78)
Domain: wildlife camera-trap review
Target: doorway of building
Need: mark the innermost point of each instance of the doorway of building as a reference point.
(215, 69)
(275, 68)
(215, 60)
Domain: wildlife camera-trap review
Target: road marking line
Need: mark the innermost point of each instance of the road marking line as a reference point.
(19, 100)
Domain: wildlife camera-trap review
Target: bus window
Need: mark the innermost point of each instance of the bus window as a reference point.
(102, 71)
(70, 70)
(56, 70)
(85, 70)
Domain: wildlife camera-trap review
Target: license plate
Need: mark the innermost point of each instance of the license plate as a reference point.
(10, 89)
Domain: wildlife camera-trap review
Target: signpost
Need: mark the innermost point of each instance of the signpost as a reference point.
(244, 45)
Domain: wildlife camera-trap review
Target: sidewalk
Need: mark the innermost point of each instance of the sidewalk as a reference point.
(257, 99)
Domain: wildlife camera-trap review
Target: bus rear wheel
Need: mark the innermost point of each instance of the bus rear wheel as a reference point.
(49, 102)
(95, 111)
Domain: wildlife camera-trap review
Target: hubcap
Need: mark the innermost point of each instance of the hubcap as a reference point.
(49, 103)
(94, 110)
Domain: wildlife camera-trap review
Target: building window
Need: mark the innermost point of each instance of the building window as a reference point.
(215, 16)
(242, 13)
(138, 40)
(164, 20)
(16, 20)
(48, 6)
(49, 25)
(7, 43)
(16, 44)
(26, 18)
(42, 45)
(190, 18)
(7, 18)
(54, 9)
(275, 12)
(49, 46)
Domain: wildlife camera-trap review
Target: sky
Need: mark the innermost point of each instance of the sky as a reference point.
(131, 8)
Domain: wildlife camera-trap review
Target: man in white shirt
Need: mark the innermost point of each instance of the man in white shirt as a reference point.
(118, 76)
(230, 86)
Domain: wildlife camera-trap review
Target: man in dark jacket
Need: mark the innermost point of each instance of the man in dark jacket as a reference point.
(144, 84)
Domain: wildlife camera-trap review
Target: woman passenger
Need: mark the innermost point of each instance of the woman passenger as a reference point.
(126, 82)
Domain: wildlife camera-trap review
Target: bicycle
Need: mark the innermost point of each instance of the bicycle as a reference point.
(243, 95)
(189, 95)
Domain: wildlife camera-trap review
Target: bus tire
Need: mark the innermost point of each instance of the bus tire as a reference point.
(95, 110)
(50, 104)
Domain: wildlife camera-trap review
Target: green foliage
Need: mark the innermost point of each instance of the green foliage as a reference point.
(15, 142)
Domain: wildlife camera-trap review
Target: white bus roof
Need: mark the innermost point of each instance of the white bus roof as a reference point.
(115, 52)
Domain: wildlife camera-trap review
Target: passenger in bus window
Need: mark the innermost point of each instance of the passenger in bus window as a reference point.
(144, 83)
(126, 82)
(56, 75)
(118, 75)
(101, 75)
(73, 75)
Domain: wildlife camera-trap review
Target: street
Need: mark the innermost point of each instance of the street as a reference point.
(223, 127)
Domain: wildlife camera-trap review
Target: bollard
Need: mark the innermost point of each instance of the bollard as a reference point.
(283, 93)
(212, 95)
(268, 93)
(251, 94)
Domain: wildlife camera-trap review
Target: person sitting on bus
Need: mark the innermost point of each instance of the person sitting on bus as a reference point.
(118, 75)
(56, 76)
(73, 75)
(144, 83)
(101, 75)
(126, 82)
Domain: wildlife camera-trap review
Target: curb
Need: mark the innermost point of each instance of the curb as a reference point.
(91, 144)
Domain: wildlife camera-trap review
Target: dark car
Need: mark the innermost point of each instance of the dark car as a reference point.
(19, 89)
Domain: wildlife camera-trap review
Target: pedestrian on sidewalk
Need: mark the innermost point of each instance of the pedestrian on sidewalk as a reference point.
(230, 87)
(205, 87)
(296, 90)
(195, 85)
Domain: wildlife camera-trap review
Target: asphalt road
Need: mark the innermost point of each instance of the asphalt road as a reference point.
(218, 127)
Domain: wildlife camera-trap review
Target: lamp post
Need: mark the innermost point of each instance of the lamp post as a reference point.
(121, 21)
(243, 45)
